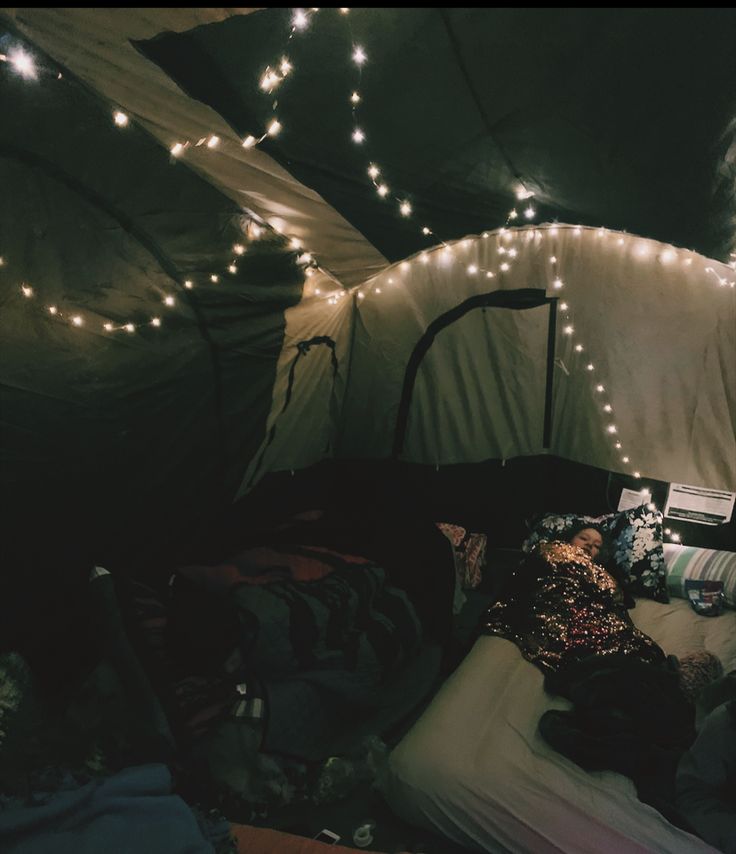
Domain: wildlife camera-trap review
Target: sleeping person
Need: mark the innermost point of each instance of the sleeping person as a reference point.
(560, 606)
(566, 613)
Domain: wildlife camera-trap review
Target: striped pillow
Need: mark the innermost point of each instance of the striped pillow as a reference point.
(689, 562)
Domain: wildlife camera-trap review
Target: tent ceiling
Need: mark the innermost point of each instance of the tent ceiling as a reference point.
(617, 117)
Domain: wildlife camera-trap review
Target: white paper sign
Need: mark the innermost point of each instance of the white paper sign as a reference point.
(633, 498)
(698, 504)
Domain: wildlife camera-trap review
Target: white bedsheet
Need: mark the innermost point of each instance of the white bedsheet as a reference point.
(475, 768)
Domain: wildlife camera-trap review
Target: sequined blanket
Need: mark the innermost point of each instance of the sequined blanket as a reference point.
(560, 607)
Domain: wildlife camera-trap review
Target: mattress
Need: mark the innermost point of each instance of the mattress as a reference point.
(475, 769)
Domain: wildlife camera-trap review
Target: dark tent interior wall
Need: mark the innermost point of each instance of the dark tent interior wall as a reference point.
(124, 437)
(485, 270)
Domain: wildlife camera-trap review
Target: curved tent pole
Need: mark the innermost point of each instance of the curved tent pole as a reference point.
(303, 348)
(520, 299)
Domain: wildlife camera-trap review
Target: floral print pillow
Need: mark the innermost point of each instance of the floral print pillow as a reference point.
(634, 540)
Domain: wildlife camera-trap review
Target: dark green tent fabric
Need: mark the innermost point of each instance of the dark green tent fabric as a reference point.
(614, 117)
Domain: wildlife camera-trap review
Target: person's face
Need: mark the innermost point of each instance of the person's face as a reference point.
(589, 540)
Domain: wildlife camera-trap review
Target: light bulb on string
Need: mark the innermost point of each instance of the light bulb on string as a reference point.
(23, 63)
(300, 21)
(358, 135)
(120, 119)
(359, 56)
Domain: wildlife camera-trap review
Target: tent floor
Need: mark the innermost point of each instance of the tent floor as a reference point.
(391, 834)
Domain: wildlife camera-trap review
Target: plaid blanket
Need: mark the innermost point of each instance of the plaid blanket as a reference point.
(293, 608)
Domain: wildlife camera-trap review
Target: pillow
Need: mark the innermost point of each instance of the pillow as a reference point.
(469, 551)
(689, 562)
(634, 539)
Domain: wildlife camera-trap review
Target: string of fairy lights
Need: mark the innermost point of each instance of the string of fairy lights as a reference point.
(378, 179)
(25, 65)
(507, 240)
(269, 81)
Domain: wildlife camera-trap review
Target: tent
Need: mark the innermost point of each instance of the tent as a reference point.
(479, 235)
(457, 264)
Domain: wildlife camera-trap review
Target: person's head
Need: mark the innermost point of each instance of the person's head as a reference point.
(589, 538)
